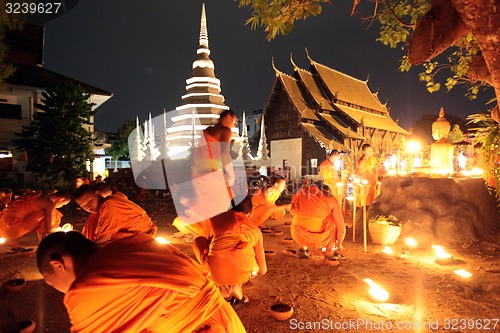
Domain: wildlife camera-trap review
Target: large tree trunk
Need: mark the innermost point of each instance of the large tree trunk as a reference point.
(482, 18)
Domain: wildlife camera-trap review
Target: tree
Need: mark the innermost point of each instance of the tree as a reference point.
(57, 141)
(472, 27)
(119, 148)
(456, 134)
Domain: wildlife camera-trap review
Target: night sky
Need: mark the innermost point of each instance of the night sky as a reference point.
(142, 52)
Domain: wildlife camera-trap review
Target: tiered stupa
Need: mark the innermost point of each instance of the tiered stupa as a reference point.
(203, 102)
(441, 150)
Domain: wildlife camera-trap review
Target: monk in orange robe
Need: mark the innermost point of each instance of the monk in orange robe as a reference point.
(328, 170)
(235, 253)
(105, 190)
(33, 212)
(264, 203)
(117, 217)
(133, 284)
(5, 197)
(367, 169)
(317, 221)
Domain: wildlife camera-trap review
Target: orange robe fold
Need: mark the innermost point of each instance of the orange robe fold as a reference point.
(231, 257)
(312, 223)
(264, 206)
(118, 217)
(23, 215)
(136, 285)
(367, 170)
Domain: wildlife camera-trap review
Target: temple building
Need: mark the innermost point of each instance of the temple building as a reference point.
(315, 111)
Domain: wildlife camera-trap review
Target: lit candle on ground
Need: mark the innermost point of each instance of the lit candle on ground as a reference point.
(387, 250)
(462, 273)
(2, 240)
(440, 252)
(65, 228)
(376, 292)
(162, 240)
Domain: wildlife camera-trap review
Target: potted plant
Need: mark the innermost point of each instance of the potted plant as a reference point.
(384, 230)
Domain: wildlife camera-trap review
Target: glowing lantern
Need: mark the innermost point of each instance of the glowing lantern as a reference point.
(387, 250)
(162, 240)
(2, 240)
(440, 252)
(462, 273)
(376, 292)
(65, 228)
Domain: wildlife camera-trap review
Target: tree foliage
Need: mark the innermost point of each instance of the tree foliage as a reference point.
(57, 141)
(397, 20)
(119, 148)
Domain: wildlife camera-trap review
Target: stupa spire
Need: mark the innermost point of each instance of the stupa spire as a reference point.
(203, 28)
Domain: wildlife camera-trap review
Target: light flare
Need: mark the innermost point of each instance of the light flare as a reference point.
(2, 240)
(387, 250)
(65, 228)
(411, 242)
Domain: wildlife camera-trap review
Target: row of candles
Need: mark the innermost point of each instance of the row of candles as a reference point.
(381, 295)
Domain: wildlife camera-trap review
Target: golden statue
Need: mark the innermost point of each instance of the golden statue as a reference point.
(442, 149)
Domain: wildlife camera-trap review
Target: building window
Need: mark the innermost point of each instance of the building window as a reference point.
(10, 111)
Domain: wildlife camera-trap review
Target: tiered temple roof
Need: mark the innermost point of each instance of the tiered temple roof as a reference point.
(335, 108)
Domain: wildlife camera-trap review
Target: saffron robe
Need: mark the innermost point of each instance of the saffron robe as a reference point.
(23, 215)
(117, 217)
(330, 176)
(367, 169)
(312, 223)
(231, 256)
(135, 284)
(264, 206)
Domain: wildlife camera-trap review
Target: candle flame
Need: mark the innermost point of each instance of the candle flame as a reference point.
(65, 228)
(411, 242)
(440, 252)
(162, 240)
(462, 273)
(387, 250)
(2, 240)
(377, 292)
(364, 182)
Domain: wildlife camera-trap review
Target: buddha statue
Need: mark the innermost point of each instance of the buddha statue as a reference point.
(441, 150)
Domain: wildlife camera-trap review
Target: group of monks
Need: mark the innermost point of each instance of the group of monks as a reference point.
(117, 278)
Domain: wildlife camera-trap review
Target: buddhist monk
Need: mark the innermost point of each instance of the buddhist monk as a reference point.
(264, 202)
(212, 171)
(105, 190)
(235, 253)
(33, 212)
(328, 170)
(116, 217)
(5, 197)
(367, 169)
(132, 284)
(317, 221)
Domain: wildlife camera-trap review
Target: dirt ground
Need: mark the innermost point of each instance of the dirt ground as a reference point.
(425, 295)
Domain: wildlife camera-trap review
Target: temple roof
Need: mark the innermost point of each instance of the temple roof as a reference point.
(324, 138)
(309, 82)
(372, 120)
(347, 88)
(342, 128)
(292, 87)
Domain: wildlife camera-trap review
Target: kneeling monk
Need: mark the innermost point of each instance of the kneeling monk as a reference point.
(33, 212)
(234, 253)
(317, 220)
(132, 284)
(111, 217)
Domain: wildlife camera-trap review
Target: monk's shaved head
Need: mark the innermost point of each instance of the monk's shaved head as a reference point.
(83, 190)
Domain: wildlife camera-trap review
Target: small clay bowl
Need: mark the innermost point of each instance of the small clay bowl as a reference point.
(266, 230)
(25, 326)
(27, 251)
(269, 253)
(332, 262)
(290, 252)
(288, 223)
(14, 285)
(288, 240)
(281, 311)
(277, 232)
